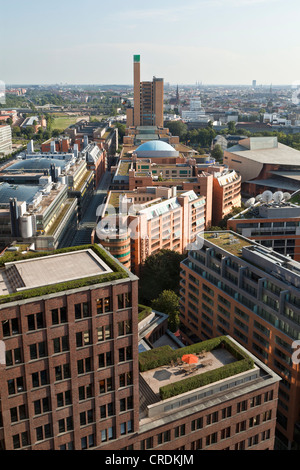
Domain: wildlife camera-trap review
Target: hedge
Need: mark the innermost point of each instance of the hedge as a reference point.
(118, 273)
(165, 354)
(192, 383)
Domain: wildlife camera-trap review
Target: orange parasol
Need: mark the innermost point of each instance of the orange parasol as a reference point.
(190, 358)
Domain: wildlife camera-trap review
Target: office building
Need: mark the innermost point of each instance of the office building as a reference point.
(264, 164)
(232, 285)
(69, 325)
(274, 224)
(147, 220)
(73, 378)
(148, 100)
(5, 140)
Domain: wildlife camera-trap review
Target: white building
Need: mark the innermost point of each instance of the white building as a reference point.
(5, 140)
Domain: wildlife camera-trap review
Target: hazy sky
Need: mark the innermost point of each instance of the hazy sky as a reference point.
(93, 41)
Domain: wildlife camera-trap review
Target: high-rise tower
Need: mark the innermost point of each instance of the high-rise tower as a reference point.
(148, 100)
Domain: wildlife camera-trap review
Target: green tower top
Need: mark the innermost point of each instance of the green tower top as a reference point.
(136, 58)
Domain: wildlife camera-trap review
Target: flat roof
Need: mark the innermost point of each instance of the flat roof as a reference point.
(165, 375)
(229, 241)
(281, 155)
(57, 268)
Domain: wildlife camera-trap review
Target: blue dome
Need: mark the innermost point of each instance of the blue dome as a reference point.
(156, 148)
(155, 145)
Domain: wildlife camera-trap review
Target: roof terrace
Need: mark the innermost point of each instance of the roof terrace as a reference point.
(169, 385)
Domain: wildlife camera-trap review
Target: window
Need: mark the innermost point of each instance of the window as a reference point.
(242, 406)
(65, 424)
(82, 310)
(105, 359)
(106, 385)
(18, 413)
(87, 442)
(38, 350)
(10, 327)
(225, 433)
(41, 406)
(35, 321)
(62, 372)
(125, 354)
(124, 328)
(147, 443)
(60, 344)
(212, 418)
(125, 379)
(180, 431)
(126, 427)
(240, 426)
(107, 410)
(39, 378)
(197, 424)
(59, 315)
(105, 333)
(124, 300)
(163, 437)
(86, 417)
(15, 385)
(196, 445)
(253, 440)
(20, 440)
(13, 356)
(211, 439)
(85, 392)
(84, 365)
(226, 412)
(64, 398)
(103, 305)
(43, 432)
(254, 421)
(126, 404)
(255, 401)
(83, 338)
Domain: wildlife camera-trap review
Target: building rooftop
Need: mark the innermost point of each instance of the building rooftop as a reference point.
(34, 274)
(224, 370)
(228, 241)
(279, 155)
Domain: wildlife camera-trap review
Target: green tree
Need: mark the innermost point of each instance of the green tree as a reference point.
(161, 271)
(217, 153)
(231, 127)
(168, 302)
(177, 128)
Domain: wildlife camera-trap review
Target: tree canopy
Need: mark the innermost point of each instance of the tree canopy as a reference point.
(168, 302)
(161, 271)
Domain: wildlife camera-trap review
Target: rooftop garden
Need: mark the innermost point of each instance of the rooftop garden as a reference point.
(118, 273)
(229, 241)
(165, 355)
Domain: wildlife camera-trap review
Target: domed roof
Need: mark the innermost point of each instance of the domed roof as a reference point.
(155, 145)
(156, 148)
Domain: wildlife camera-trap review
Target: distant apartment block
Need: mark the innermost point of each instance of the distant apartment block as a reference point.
(275, 224)
(5, 140)
(148, 220)
(232, 285)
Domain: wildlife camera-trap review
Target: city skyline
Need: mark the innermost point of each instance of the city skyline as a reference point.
(212, 42)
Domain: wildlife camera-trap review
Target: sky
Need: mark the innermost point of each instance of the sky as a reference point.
(182, 41)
